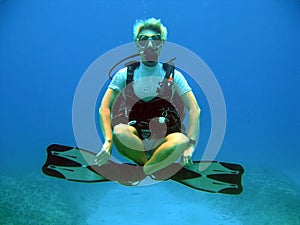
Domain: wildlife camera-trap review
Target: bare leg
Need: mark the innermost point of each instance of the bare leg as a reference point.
(128, 143)
(167, 153)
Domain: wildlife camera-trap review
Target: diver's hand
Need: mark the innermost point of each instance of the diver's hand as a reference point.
(186, 158)
(103, 156)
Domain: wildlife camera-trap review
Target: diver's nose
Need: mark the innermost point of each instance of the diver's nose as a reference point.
(150, 44)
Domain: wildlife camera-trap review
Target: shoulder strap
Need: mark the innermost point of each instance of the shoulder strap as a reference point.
(168, 68)
(130, 71)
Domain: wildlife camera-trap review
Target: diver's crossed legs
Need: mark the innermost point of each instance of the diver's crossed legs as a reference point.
(128, 143)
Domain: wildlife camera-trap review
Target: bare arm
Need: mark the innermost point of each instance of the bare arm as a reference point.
(105, 125)
(194, 111)
(105, 111)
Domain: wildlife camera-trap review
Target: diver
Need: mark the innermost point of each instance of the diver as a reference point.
(149, 130)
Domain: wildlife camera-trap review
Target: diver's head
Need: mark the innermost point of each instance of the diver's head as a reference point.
(149, 35)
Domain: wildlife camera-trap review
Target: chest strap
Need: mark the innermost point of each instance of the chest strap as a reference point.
(168, 68)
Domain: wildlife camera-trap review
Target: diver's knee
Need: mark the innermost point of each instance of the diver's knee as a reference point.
(123, 130)
(178, 139)
(120, 128)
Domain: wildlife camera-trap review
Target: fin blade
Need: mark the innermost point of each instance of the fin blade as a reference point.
(78, 155)
(217, 177)
(212, 186)
(79, 174)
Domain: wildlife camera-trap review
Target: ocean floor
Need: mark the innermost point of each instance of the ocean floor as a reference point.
(269, 198)
(157, 204)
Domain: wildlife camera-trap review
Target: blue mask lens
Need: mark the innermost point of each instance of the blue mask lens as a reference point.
(144, 39)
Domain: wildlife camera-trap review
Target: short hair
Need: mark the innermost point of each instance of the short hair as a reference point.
(151, 24)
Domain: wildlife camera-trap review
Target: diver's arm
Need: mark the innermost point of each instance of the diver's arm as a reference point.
(105, 125)
(194, 111)
(105, 113)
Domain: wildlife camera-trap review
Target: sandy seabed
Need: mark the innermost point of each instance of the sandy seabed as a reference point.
(270, 198)
(159, 204)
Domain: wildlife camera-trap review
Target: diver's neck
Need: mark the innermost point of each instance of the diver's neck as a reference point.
(150, 63)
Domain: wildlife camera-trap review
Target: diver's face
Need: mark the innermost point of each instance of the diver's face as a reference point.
(149, 45)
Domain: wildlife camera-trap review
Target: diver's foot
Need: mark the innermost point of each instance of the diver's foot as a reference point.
(126, 174)
(167, 172)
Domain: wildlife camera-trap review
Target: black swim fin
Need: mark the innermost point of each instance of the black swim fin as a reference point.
(215, 177)
(76, 164)
(70, 163)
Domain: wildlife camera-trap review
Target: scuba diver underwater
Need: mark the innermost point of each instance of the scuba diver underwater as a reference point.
(142, 115)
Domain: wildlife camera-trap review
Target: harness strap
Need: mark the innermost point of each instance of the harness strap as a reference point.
(168, 68)
(130, 71)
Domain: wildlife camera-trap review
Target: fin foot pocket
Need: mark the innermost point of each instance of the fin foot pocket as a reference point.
(126, 174)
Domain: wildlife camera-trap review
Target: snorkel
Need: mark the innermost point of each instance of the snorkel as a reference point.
(120, 61)
(149, 54)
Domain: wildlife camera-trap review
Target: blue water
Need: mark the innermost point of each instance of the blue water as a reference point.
(253, 49)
